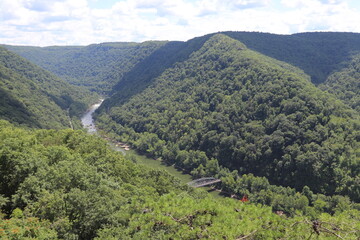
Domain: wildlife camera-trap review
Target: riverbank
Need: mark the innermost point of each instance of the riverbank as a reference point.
(89, 124)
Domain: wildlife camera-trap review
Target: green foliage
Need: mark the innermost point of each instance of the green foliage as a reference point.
(19, 227)
(33, 97)
(251, 113)
(70, 185)
(180, 217)
(71, 179)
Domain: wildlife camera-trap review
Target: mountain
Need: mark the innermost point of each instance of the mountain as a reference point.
(319, 54)
(33, 97)
(97, 67)
(102, 66)
(142, 75)
(231, 106)
(345, 83)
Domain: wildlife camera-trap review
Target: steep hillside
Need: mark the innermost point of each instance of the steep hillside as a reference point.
(70, 185)
(98, 67)
(142, 75)
(345, 84)
(318, 54)
(33, 97)
(249, 113)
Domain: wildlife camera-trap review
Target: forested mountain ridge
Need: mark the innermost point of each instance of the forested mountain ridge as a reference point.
(142, 75)
(33, 97)
(319, 54)
(97, 67)
(231, 106)
(128, 68)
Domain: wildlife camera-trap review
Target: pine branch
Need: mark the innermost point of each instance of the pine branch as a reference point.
(246, 236)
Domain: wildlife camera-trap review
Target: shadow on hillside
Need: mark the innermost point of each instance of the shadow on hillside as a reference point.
(144, 73)
(75, 108)
(15, 111)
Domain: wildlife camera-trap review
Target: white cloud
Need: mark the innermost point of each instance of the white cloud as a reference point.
(44, 22)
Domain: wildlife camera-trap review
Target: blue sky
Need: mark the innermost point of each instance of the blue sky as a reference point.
(82, 22)
(102, 4)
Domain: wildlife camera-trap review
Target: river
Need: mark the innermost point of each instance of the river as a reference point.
(87, 119)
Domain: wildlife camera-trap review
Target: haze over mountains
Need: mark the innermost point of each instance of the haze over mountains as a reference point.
(275, 117)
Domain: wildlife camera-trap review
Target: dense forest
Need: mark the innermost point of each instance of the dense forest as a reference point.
(33, 97)
(274, 117)
(70, 185)
(248, 113)
(319, 53)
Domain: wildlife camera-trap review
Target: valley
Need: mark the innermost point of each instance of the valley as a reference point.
(274, 117)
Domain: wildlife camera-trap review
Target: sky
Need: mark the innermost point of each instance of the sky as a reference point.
(83, 22)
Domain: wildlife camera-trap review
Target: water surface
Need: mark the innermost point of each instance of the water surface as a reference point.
(87, 119)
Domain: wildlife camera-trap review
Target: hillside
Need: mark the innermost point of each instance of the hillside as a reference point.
(142, 75)
(70, 185)
(33, 97)
(319, 54)
(345, 83)
(97, 67)
(231, 106)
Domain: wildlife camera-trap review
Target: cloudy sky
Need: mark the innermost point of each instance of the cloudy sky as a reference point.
(82, 22)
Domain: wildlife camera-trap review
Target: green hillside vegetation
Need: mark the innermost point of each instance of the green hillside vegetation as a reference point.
(70, 185)
(345, 84)
(230, 108)
(97, 67)
(33, 97)
(142, 75)
(319, 54)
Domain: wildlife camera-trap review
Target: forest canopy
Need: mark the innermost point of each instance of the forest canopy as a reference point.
(70, 185)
